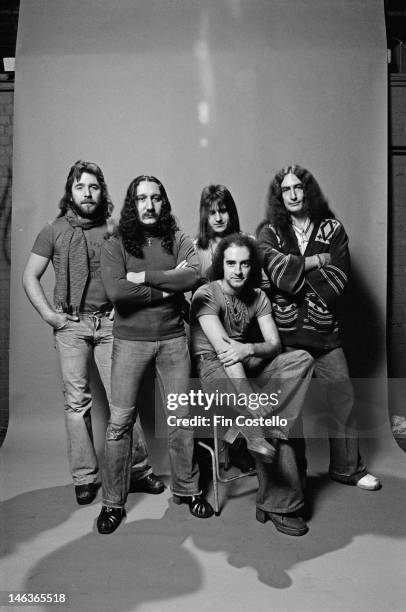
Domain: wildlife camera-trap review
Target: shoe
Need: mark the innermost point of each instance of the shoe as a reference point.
(149, 484)
(198, 506)
(109, 519)
(369, 483)
(240, 458)
(257, 446)
(86, 493)
(291, 524)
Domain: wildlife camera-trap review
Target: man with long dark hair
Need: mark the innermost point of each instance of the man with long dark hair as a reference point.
(306, 258)
(145, 270)
(81, 318)
(237, 347)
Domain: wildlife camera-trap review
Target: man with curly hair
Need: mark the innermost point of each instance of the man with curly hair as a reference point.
(145, 270)
(81, 318)
(306, 258)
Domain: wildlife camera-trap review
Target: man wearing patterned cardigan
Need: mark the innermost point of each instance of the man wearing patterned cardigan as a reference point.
(306, 258)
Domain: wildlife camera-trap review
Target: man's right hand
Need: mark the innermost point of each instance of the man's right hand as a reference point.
(59, 319)
(317, 261)
(325, 258)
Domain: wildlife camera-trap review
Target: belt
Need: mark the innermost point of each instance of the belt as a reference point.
(209, 356)
(96, 316)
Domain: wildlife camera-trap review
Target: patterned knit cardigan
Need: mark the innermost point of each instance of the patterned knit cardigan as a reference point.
(304, 303)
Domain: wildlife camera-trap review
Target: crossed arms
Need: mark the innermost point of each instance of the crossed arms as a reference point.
(147, 286)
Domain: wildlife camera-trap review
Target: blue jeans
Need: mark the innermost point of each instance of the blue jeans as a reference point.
(282, 482)
(77, 343)
(346, 464)
(280, 488)
(131, 359)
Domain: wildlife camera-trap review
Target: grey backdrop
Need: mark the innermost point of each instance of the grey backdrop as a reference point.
(196, 91)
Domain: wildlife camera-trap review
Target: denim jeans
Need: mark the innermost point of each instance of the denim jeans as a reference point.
(77, 343)
(345, 462)
(280, 488)
(131, 358)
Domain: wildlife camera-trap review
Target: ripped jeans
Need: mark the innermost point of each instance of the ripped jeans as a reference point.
(131, 359)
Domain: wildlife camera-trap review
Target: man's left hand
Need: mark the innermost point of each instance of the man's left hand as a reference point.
(235, 353)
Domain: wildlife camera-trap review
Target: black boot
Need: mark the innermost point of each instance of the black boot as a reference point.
(256, 444)
(109, 519)
(240, 457)
(198, 506)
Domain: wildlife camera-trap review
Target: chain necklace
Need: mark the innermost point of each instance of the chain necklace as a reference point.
(303, 234)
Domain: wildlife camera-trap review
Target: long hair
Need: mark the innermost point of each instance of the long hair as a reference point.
(314, 202)
(130, 227)
(241, 240)
(78, 168)
(215, 195)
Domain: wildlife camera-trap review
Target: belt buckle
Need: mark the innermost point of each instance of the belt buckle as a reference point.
(96, 318)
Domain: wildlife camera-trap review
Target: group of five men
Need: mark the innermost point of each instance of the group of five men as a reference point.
(119, 299)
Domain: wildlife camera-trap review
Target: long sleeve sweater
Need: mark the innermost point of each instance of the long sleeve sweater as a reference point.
(143, 311)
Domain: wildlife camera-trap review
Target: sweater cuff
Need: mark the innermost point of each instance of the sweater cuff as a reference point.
(153, 277)
(156, 294)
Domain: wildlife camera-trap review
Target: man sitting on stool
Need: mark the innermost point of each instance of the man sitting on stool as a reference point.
(224, 314)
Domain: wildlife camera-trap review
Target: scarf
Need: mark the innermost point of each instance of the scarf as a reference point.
(73, 269)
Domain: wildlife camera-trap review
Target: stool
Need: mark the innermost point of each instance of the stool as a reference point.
(215, 466)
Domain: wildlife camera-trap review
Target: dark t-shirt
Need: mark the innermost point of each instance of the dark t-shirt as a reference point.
(210, 300)
(48, 244)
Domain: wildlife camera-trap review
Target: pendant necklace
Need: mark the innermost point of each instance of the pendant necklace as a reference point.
(302, 233)
(237, 310)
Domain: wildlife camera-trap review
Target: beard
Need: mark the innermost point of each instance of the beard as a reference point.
(95, 214)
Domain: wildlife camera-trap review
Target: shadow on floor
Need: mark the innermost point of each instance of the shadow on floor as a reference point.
(146, 560)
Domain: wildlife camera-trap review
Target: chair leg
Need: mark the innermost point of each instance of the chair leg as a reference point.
(214, 469)
(227, 463)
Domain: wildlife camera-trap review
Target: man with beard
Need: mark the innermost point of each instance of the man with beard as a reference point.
(145, 270)
(82, 319)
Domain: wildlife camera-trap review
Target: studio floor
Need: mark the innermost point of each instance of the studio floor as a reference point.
(161, 558)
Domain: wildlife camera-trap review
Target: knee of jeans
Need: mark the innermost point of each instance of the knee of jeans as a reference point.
(114, 432)
(304, 357)
(180, 436)
(77, 404)
(300, 358)
(120, 422)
